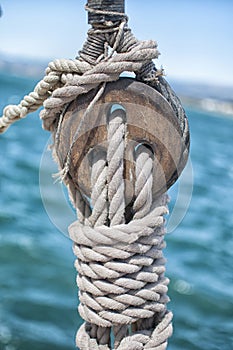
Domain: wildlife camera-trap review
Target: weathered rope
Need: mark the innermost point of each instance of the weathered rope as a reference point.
(144, 182)
(115, 159)
(121, 266)
(76, 77)
(116, 186)
(42, 91)
(121, 274)
(120, 263)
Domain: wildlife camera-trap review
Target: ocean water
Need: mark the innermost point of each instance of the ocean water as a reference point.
(38, 295)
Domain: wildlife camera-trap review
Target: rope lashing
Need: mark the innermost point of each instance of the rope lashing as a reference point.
(137, 286)
(121, 267)
(119, 237)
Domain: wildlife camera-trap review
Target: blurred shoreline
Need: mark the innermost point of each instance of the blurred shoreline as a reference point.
(209, 105)
(206, 97)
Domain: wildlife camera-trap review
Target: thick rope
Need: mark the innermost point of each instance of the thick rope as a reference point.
(121, 271)
(122, 287)
(42, 90)
(116, 186)
(142, 205)
(98, 216)
(99, 191)
(144, 182)
(115, 159)
(76, 77)
(121, 266)
(117, 285)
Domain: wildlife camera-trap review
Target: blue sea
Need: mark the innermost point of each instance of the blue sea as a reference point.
(38, 293)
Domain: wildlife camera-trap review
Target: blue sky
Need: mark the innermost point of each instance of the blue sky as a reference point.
(195, 37)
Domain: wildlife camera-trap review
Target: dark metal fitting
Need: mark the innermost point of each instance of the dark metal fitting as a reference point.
(108, 18)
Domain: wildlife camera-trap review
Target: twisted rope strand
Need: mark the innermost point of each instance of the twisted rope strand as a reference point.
(42, 91)
(116, 195)
(99, 191)
(115, 159)
(144, 182)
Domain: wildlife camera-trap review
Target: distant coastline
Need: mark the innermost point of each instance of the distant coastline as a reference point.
(21, 67)
(214, 99)
(206, 97)
(209, 104)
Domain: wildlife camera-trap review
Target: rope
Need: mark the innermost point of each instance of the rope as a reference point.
(76, 77)
(115, 159)
(116, 186)
(121, 266)
(99, 190)
(144, 181)
(120, 263)
(121, 273)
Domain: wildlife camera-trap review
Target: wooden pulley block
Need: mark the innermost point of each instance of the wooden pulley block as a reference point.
(150, 121)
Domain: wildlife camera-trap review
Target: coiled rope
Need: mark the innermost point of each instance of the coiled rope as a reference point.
(120, 264)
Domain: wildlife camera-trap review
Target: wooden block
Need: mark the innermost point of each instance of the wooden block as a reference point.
(150, 120)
